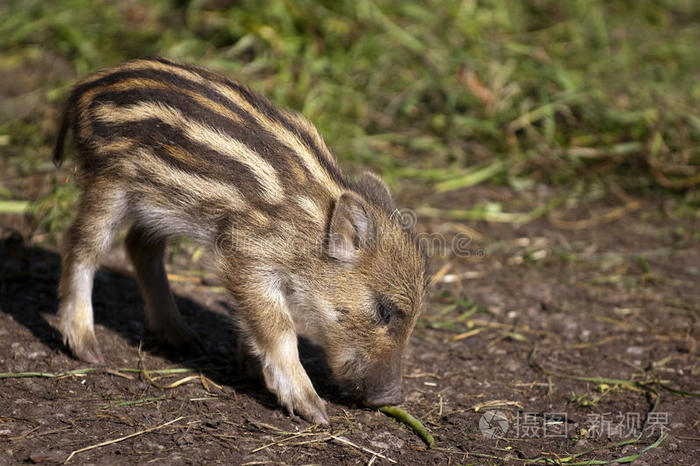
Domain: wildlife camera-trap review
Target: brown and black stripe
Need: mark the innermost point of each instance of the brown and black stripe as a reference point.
(168, 123)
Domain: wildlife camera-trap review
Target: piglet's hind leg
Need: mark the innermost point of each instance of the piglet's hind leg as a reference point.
(100, 212)
(164, 319)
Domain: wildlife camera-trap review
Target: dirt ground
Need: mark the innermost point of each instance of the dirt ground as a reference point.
(538, 344)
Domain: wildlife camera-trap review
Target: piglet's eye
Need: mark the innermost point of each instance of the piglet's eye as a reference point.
(386, 310)
(384, 313)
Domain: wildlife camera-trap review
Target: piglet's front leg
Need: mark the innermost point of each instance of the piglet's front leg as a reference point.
(286, 378)
(268, 328)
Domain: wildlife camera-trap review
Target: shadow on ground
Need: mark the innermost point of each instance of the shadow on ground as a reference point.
(28, 294)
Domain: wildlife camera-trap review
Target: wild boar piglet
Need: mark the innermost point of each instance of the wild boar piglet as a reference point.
(178, 151)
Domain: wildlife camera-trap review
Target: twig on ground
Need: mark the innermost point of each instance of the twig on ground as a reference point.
(134, 402)
(602, 341)
(366, 450)
(120, 439)
(262, 426)
(182, 381)
(468, 334)
(494, 404)
(303, 433)
(118, 374)
(594, 221)
(648, 385)
(24, 434)
(175, 370)
(45, 375)
(418, 375)
(440, 273)
(205, 381)
(144, 370)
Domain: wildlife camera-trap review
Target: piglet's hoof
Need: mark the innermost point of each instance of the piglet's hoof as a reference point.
(312, 408)
(88, 350)
(179, 339)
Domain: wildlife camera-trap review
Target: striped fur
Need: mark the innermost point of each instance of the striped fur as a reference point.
(176, 150)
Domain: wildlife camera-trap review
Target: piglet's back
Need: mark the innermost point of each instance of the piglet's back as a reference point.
(199, 140)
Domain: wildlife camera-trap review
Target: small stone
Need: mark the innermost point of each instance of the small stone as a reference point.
(56, 456)
(184, 439)
(629, 449)
(379, 445)
(585, 336)
(386, 440)
(512, 366)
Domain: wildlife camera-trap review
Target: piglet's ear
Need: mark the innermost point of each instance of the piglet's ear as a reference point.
(372, 187)
(351, 228)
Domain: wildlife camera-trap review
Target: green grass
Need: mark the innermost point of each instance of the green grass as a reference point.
(454, 92)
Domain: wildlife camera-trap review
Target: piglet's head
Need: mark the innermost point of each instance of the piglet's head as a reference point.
(374, 281)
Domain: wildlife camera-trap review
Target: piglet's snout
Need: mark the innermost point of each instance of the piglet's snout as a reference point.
(392, 396)
(384, 385)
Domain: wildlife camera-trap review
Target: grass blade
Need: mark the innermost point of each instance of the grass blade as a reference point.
(472, 177)
(13, 207)
(401, 415)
